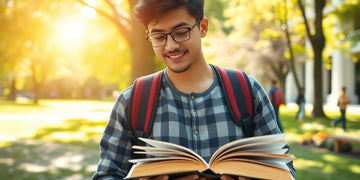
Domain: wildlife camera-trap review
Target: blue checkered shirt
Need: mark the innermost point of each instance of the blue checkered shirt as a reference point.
(198, 121)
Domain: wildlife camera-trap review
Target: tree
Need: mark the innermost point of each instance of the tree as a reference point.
(284, 21)
(121, 15)
(257, 28)
(9, 35)
(317, 40)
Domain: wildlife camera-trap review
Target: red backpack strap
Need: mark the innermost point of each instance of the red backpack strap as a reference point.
(143, 104)
(237, 89)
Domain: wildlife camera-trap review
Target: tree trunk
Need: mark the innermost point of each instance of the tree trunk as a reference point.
(292, 59)
(142, 53)
(318, 87)
(318, 43)
(288, 39)
(35, 83)
(12, 95)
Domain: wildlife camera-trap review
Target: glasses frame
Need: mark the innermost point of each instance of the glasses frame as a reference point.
(148, 37)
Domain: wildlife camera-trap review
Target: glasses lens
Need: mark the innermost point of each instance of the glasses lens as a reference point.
(157, 39)
(181, 34)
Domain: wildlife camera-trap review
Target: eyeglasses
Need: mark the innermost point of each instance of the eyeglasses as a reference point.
(178, 35)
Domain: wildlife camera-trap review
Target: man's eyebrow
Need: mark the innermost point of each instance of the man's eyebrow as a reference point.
(175, 27)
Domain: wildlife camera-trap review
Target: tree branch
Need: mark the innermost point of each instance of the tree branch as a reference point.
(302, 8)
(103, 13)
(123, 19)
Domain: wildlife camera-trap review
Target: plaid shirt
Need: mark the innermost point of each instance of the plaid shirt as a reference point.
(198, 121)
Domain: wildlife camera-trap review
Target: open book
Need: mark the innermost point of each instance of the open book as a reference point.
(262, 157)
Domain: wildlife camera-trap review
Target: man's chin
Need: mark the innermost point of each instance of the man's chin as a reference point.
(179, 70)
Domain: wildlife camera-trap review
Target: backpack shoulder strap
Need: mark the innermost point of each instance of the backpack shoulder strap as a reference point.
(235, 85)
(143, 103)
(237, 89)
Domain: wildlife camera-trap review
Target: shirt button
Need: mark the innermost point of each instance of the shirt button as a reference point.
(196, 132)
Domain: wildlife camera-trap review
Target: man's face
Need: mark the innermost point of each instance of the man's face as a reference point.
(179, 56)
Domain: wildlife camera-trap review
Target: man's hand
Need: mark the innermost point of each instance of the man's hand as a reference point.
(226, 177)
(163, 177)
(194, 177)
(166, 177)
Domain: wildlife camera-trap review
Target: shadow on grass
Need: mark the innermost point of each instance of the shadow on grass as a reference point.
(69, 151)
(316, 164)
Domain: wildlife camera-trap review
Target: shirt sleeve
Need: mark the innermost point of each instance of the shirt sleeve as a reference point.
(115, 144)
(264, 116)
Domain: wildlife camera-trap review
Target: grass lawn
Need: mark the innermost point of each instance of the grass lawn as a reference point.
(58, 139)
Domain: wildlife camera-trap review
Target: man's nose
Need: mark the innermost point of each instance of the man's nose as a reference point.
(170, 43)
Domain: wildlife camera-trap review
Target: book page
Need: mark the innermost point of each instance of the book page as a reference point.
(269, 151)
(250, 168)
(279, 160)
(162, 152)
(260, 142)
(167, 167)
(250, 140)
(175, 147)
(151, 160)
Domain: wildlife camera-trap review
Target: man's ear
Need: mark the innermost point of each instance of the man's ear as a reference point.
(204, 25)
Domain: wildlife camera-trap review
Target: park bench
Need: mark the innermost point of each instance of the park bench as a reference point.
(338, 138)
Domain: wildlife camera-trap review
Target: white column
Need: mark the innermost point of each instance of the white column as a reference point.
(326, 82)
(337, 2)
(309, 81)
(349, 81)
(291, 90)
(343, 74)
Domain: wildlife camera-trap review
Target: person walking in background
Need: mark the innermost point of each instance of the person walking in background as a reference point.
(276, 99)
(343, 102)
(301, 103)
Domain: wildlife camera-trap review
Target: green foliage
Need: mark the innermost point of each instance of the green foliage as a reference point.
(349, 11)
(214, 10)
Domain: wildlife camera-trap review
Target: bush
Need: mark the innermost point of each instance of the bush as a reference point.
(319, 138)
(322, 140)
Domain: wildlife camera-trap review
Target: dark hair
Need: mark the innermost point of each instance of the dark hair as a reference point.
(149, 10)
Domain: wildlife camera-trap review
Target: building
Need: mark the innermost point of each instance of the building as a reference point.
(345, 69)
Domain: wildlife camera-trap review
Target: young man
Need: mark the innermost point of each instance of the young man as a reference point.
(191, 110)
(343, 102)
(301, 103)
(272, 96)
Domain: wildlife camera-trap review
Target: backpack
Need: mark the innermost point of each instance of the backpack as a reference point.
(278, 98)
(234, 84)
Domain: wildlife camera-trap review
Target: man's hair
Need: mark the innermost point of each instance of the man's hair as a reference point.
(149, 10)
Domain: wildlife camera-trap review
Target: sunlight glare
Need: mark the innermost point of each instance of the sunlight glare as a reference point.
(88, 12)
(313, 126)
(330, 158)
(355, 168)
(69, 31)
(10, 3)
(91, 2)
(304, 164)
